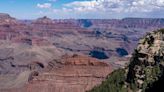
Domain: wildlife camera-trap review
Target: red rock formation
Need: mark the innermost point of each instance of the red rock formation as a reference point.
(74, 74)
(82, 60)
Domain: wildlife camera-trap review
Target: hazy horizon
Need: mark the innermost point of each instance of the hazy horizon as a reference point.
(85, 18)
(83, 9)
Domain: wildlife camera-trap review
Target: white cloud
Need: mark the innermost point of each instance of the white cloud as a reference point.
(116, 5)
(108, 9)
(44, 5)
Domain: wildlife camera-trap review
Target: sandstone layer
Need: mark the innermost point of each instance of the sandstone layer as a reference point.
(71, 74)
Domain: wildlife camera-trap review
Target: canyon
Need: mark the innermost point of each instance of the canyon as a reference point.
(66, 55)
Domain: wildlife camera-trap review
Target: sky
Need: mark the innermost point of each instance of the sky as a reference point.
(83, 9)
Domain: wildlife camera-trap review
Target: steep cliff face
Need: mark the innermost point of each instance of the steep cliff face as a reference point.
(145, 72)
(147, 63)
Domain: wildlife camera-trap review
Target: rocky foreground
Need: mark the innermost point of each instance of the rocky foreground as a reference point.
(147, 64)
(145, 73)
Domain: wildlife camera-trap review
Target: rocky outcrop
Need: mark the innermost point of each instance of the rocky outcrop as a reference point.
(146, 66)
(145, 73)
(6, 19)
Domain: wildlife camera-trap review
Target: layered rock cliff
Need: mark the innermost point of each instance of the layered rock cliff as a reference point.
(70, 74)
